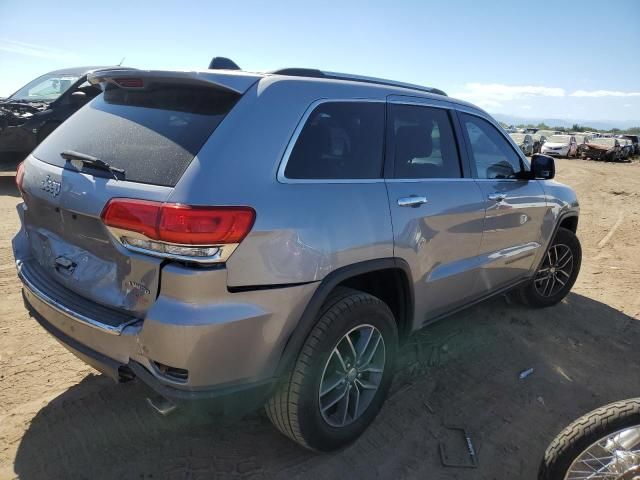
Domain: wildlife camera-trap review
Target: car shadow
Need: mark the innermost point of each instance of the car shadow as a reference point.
(462, 371)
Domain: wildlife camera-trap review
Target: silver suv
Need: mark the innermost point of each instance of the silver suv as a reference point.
(277, 236)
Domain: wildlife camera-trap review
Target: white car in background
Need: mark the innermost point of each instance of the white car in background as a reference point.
(561, 146)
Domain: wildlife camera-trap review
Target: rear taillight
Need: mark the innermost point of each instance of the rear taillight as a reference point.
(20, 176)
(177, 230)
(204, 225)
(133, 215)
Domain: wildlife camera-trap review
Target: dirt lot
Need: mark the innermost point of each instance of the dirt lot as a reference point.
(60, 419)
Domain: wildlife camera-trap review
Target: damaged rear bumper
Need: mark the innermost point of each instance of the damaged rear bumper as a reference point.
(123, 372)
(197, 341)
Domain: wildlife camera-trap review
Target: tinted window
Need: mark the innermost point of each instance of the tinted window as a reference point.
(340, 140)
(152, 134)
(491, 154)
(423, 142)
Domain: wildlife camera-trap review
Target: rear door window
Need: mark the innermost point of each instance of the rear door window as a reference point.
(422, 142)
(152, 134)
(340, 140)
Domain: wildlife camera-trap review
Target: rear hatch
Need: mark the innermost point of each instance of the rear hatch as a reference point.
(148, 127)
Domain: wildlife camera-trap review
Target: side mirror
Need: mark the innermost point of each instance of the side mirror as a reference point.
(543, 167)
(78, 98)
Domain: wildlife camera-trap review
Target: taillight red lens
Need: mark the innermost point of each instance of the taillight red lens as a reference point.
(133, 215)
(183, 224)
(204, 225)
(20, 176)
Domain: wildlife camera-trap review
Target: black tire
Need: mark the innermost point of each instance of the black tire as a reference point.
(584, 432)
(46, 130)
(294, 408)
(529, 294)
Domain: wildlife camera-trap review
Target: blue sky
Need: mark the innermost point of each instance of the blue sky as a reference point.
(569, 60)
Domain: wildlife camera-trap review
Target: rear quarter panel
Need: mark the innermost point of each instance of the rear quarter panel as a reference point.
(302, 230)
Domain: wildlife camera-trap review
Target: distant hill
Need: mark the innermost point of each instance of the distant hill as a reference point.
(557, 122)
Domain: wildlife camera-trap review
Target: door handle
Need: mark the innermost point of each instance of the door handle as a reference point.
(413, 201)
(497, 197)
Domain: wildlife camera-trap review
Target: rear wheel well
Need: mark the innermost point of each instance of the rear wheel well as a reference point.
(570, 223)
(392, 287)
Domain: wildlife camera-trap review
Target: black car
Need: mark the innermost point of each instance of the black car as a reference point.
(34, 111)
(635, 140)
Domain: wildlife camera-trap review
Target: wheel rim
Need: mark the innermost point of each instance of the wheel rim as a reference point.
(352, 375)
(614, 457)
(555, 271)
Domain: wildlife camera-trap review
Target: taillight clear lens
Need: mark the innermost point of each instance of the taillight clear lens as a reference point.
(182, 224)
(20, 176)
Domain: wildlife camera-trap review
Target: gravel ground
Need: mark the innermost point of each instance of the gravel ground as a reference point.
(61, 419)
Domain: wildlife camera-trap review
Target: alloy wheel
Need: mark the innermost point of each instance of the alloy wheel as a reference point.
(555, 271)
(352, 375)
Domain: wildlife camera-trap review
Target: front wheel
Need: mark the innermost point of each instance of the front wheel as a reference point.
(603, 444)
(557, 273)
(342, 375)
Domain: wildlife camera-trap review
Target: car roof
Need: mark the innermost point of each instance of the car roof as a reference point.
(240, 81)
(373, 85)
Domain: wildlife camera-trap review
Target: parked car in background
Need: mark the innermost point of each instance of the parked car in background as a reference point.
(581, 139)
(29, 115)
(538, 142)
(603, 148)
(626, 148)
(546, 133)
(525, 142)
(635, 140)
(347, 213)
(560, 145)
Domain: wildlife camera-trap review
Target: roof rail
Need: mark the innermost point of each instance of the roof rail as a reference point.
(314, 73)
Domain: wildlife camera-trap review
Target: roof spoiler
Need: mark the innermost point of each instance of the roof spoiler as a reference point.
(134, 79)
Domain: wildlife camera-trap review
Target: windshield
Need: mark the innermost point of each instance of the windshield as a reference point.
(559, 139)
(46, 88)
(518, 137)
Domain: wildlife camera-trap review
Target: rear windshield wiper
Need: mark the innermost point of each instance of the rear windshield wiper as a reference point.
(91, 161)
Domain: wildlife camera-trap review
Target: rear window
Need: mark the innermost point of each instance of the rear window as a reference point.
(152, 134)
(340, 140)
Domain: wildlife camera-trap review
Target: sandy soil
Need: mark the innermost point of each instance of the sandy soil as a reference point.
(60, 419)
